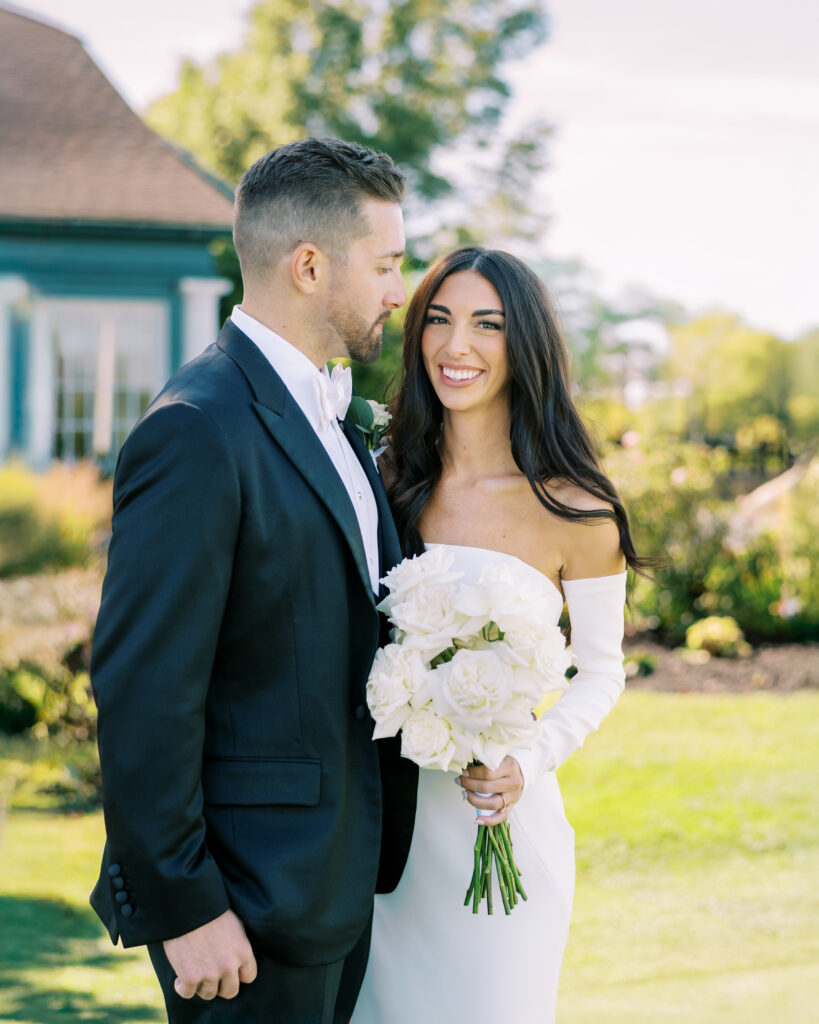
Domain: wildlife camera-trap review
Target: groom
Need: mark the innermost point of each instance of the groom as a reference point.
(241, 788)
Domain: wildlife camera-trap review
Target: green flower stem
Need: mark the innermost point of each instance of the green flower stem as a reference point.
(488, 873)
(476, 874)
(503, 877)
(506, 836)
(493, 846)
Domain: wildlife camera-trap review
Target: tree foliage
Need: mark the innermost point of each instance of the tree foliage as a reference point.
(415, 78)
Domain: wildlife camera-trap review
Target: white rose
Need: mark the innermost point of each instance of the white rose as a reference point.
(472, 689)
(544, 653)
(504, 595)
(396, 675)
(381, 415)
(427, 740)
(427, 618)
(513, 726)
(430, 569)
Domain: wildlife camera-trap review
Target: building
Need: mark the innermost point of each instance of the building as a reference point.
(107, 280)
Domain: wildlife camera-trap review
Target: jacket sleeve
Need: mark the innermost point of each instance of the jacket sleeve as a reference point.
(596, 617)
(176, 515)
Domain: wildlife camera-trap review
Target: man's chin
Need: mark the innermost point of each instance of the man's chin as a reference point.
(368, 351)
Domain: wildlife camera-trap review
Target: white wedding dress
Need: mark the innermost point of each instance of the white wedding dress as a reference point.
(432, 961)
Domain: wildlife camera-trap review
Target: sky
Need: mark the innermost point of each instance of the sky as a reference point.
(685, 148)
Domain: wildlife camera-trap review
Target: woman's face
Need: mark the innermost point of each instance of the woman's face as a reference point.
(464, 343)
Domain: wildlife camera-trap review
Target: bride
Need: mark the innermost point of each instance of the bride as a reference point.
(489, 458)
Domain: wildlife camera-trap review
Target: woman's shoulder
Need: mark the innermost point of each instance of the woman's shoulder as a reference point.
(589, 547)
(576, 497)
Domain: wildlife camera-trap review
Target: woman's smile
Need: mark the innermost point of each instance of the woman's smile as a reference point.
(459, 376)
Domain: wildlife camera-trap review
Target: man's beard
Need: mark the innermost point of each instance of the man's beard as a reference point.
(361, 339)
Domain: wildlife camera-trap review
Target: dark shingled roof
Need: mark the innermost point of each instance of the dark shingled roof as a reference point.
(72, 149)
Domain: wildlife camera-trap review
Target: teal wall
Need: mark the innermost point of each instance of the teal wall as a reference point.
(107, 266)
(100, 261)
(18, 360)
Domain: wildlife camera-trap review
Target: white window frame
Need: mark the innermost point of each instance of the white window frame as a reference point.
(42, 382)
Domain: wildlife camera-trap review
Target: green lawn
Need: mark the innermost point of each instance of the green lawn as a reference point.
(698, 863)
(697, 892)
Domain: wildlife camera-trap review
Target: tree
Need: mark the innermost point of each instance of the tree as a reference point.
(416, 78)
(735, 373)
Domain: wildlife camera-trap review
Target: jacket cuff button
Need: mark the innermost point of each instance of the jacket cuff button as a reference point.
(114, 870)
(126, 910)
(359, 712)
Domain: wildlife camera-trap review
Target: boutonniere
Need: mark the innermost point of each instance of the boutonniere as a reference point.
(371, 420)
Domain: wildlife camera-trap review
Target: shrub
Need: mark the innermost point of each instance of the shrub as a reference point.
(47, 695)
(46, 624)
(51, 520)
(639, 663)
(716, 558)
(719, 635)
(670, 493)
(17, 712)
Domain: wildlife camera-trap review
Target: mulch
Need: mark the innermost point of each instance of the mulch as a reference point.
(783, 668)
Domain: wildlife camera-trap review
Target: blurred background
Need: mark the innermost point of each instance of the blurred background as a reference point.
(657, 165)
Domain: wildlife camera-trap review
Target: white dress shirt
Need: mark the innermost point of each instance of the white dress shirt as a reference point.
(300, 377)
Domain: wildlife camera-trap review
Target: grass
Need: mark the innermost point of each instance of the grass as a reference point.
(698, 863)
(697, 889)
(56, 963)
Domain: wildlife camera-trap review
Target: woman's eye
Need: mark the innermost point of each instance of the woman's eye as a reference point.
(491, 325)
(436, 320)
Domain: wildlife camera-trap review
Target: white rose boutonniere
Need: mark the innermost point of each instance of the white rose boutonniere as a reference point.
(371, 419)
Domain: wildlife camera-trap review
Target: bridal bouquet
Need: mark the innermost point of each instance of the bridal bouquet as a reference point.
(467, 666)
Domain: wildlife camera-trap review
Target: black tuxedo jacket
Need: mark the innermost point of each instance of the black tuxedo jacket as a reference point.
(235, 635)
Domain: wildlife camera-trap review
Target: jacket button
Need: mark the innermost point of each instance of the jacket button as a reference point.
(359, 712)
(121, 896)
(114, 870)
(126, 910)
(118, 882)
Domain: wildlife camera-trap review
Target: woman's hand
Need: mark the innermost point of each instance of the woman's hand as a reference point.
(505, 785)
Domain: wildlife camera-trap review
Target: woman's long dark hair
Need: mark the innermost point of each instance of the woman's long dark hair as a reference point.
(548, 438)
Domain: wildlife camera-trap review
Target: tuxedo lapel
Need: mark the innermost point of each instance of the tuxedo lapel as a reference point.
(388, 542)
(291, 430)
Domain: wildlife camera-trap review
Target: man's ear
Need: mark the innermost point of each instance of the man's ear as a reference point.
(307, 265)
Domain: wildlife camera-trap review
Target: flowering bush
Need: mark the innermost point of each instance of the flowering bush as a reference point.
(719, 635)
(681, 512)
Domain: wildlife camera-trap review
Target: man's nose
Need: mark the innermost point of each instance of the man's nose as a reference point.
(397, 295)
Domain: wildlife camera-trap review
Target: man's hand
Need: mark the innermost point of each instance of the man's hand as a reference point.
(504, 786)
(212, 960)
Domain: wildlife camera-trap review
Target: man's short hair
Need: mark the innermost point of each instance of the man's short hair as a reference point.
(309, 191)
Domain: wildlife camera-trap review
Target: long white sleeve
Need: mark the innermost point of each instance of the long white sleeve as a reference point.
(596, 617)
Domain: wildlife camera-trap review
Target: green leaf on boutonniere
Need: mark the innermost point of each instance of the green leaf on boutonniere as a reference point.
(371, 420)
(361, 414)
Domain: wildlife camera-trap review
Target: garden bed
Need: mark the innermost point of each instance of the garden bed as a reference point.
(779, 667)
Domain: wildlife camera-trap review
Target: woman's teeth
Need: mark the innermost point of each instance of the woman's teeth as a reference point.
(460, 374)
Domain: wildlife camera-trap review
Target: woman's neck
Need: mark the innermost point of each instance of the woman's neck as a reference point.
(475, 444)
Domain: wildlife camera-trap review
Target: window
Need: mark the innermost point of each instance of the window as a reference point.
(109, 360)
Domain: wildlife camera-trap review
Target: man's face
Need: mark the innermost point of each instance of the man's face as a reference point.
(368, 286)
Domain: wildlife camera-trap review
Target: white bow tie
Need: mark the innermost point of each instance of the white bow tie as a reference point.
(334, 394)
